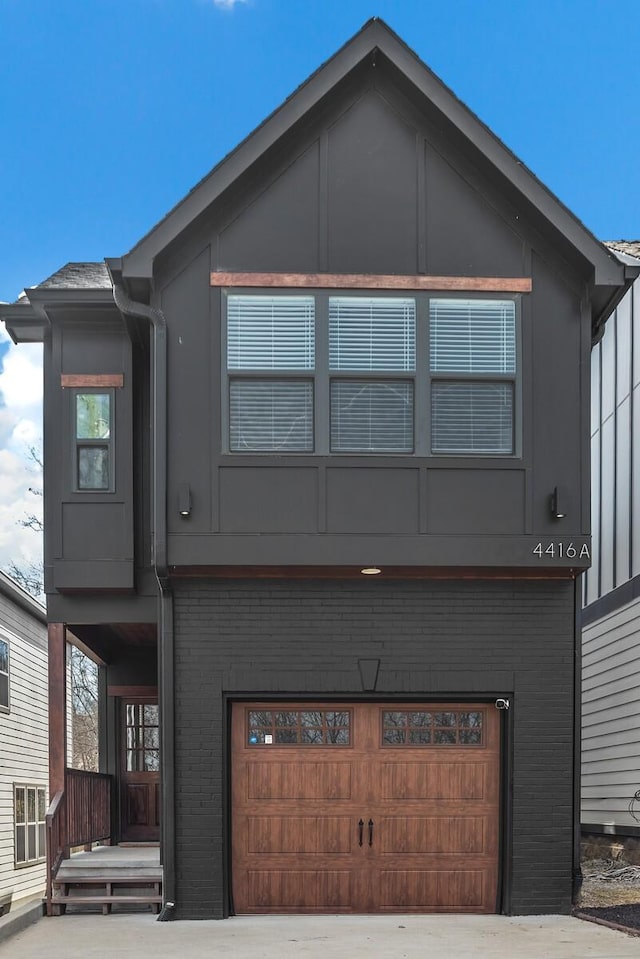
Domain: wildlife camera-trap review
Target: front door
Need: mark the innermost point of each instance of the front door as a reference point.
(365, 808)
(140, 771)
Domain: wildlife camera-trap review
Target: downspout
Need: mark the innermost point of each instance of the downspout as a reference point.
(576, 884)
(158, 323)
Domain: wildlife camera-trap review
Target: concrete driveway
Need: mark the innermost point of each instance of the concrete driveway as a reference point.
(320, 937)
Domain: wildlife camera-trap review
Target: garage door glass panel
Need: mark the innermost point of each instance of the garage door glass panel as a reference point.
(298, 728)
(426, 728)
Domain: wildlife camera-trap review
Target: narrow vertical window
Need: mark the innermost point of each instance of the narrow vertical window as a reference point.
(93, 439)
(473, 374)
(4, 675)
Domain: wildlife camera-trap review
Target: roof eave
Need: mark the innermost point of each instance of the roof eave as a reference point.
(23, 324)
(17, 595)
(27, 321)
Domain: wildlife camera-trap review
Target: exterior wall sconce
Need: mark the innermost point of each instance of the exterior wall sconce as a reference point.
(556, 504)
(184, 500)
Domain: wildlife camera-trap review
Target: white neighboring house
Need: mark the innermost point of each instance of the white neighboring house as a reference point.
(611, 614)
(24, 747)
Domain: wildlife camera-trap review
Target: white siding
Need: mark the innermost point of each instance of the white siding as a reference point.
(611, 717)
(24, 755)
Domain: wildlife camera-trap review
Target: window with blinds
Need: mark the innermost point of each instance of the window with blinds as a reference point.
(425, 374)
(271, 413)
(372, 335)
(472, 351)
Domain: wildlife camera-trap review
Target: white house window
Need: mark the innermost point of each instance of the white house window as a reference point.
(4, 675)
(424, 374)
(30, 807)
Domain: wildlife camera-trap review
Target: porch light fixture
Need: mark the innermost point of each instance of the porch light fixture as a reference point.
(556, 505)
(184, 499)
(370, 570)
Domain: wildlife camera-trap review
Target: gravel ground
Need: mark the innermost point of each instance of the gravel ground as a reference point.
(611, 891)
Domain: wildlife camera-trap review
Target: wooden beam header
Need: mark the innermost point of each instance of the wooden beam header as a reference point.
(90, 379)
(366, 281)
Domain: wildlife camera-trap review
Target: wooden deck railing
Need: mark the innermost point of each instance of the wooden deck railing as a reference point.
(79, 815)
(56, 820)
(88, 807)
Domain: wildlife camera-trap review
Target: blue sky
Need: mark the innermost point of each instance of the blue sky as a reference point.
(111, 110)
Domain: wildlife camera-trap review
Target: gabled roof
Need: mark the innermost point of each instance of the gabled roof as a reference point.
(374, 38)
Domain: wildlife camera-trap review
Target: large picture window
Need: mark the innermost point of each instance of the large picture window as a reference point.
(30, 807)
(4, 675)
(428, 374)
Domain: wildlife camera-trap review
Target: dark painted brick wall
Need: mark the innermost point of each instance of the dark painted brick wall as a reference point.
(434, 638)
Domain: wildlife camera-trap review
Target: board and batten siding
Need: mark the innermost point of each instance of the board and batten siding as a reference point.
(611, 630)
(611, 719)
(24, 747)
(615, 451)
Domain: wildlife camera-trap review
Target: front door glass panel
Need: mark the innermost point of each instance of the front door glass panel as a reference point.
(142, 738)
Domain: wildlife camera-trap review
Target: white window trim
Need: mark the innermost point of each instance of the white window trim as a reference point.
(37, 823)
(6, 708)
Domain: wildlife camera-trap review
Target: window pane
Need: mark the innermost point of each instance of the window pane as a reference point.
(93, 416)
(151, 761)
(471, 417)
(270, 415)
(31, 842)
(31, 805)
(4, 656)
(150, 715)
(393, 737)
(372, 333)
(472, 336)
(270, 333)
(370, 417)
(93, 467)
(42, 805)
(4, 690)
(21, 808)
(21, 851)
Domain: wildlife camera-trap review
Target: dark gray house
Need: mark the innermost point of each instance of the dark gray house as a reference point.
(317, 482)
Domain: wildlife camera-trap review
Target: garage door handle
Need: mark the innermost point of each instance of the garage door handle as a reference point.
(360, 828)
(370, 824)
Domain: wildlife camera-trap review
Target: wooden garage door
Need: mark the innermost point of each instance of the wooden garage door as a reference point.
(365, 808)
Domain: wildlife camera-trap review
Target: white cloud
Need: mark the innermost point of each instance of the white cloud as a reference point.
(17, 544)
(20, 428)
(227, 4)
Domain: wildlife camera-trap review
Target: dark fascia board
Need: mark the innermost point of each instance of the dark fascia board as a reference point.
(28, 320)
(23, 324)
(374, 36)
